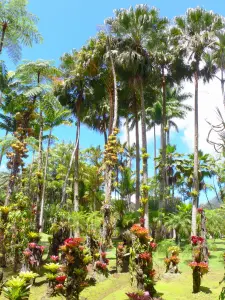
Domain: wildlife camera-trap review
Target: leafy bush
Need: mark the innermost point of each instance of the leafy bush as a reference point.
(16, 289)
(28, 276)
(165, 244)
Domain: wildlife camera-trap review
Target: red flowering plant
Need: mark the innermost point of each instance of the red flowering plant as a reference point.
(141, 262)
(101, 266)
(200, 210)
(33, 256)
(173, 260)
(75, 257)
(139, 231)
(139, 295)
(199, 265)
(195, 240)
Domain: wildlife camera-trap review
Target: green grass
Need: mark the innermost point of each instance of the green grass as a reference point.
(170, 287)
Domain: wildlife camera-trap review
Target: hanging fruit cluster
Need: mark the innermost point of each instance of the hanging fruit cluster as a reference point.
(19, 147)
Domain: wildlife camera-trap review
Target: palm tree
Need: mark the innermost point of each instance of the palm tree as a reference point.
(196, 34)
(18, 27)
(36, 77)
(72, 94)
(134, 26)
(54, 116)
(180, 222)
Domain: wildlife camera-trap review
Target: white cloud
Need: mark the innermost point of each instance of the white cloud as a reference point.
(210, 97)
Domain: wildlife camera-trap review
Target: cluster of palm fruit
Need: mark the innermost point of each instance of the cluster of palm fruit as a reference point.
(15, 157)
(112, 148)
(19, 147)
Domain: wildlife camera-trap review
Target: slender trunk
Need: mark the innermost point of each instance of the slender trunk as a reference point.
(12, 179)
(39, 192)
(163, 136)
(128, 141)
(2, 150)
(155, 171)
(145, 158)
(196, 162)
(129, 157)
(168, 136)
(112, 125)
(105, 129)
(105, 136)
(68, 170)
(107, 228)
(4, 27)
(44, 184)
(205, 252)
(76, 179)
(30, 193)
(137, 160)
(76, 171)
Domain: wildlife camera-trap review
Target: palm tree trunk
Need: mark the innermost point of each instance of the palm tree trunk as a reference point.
(137, 203)
(205, 251)
(196, 162)
(129, 158)
(44, 184)
(30, 193)
(69, 168)
(128, 141)
(76, 170)
(163, 136)
(105, 136)
(2, 150)
(145, 158)
(107, 230)
(168, 136)
(39, 193)
(4, 27)
(155, 171)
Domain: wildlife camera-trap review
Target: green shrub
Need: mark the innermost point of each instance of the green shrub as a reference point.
(165, 244)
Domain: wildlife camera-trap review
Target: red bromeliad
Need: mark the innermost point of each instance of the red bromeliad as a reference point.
(145, 256)
(54, 258)
(73, 242)
(196, 240)
(61, 278)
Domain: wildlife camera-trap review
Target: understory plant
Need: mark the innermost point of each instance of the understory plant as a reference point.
(172, 260)
(17, 288)
(75, 257)
(198, 265)
(141, 262)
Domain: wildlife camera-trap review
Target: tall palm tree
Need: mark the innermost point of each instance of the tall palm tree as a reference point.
(36, 78)
(134, 25)
(196, 34)
(54, 116)
(18, 27)
(72, 92)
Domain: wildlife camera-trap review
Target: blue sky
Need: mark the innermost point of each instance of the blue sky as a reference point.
(69, 24)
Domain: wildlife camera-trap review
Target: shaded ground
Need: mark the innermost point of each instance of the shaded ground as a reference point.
(170, 287)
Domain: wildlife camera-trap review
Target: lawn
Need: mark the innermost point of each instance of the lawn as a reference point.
(170, 287)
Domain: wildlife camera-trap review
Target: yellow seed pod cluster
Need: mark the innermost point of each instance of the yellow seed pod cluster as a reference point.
(111, 149)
